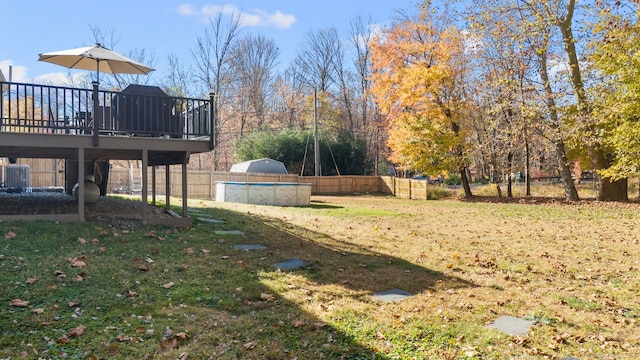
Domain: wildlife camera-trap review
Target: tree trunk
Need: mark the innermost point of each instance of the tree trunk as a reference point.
(527, 163)
(509, 178)
(570, 191)
(465, 182)
(607, 190)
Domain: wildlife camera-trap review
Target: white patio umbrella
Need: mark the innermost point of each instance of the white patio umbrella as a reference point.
(97, 58)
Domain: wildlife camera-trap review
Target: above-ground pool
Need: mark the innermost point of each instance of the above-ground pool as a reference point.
(264, 193)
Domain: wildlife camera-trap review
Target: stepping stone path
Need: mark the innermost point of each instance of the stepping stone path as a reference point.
(392, 295)
(512, 325)
(291, 264)
(198, 214)
(249, 247)
(229, 232)
(214, 221)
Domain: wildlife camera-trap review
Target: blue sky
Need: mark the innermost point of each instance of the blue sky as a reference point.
(163, 26)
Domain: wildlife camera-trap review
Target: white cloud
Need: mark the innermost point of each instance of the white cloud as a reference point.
(186, 10)
(254, 18)
(18, 73)
(54, 79)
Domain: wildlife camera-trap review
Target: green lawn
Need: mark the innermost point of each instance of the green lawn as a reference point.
(91, 291)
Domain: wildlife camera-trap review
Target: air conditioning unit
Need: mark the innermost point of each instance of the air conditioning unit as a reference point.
(17, 176)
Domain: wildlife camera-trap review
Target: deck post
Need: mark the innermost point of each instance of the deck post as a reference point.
(145, 164)
(96, 107)
(167, 187)
(80, 190)
(153, 185)
(185, 210)
(212, 120)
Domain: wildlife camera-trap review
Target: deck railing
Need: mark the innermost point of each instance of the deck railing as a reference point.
(32, 108)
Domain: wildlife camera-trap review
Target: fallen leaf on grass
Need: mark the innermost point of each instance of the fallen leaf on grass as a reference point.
(82, 240)
(64, 339)
(206, 252)
(102, 249)
(38, 311)
(250, 345)
(170, 344)
(298, 323)
(59, 274)
(77, 331)
(168, 285)
(144, 267)
(149, 260)
(95, 241)
(267, 297)
(78, 262)
(188, 251)
(132, 293)
(31, 280)
(10, 235)
(123, 338)
(79, 277)
(73, 303)
(19, 303)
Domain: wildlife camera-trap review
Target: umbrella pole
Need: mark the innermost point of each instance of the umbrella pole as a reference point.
(96, 105)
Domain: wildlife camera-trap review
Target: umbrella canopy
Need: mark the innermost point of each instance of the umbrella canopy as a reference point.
(96, 58)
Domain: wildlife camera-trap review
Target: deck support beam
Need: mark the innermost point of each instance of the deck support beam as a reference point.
(145, 175)
(81, 189)
(185, 210)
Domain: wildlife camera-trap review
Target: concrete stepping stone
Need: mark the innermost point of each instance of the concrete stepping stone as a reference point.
(512, 325)
(392, 295)
(569, 358)
(192, 210)
(229, 232)
(213, 221)
(201, 214)
(291, 264)
(247, 247)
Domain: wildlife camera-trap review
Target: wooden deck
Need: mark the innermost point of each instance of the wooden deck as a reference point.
(88, 128)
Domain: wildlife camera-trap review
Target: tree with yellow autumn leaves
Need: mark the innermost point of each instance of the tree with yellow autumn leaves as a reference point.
(419, 79)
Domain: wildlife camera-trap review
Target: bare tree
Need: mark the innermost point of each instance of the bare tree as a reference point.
(212, 68)
(361, 36)
(287, 103)
(178, 80)
(109, 39)
(315, 62)
(253, 60)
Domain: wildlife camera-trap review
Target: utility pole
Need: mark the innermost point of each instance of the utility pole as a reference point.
(317, 170)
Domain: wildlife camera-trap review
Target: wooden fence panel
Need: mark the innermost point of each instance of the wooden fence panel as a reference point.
(42, 172)
(201, 183)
